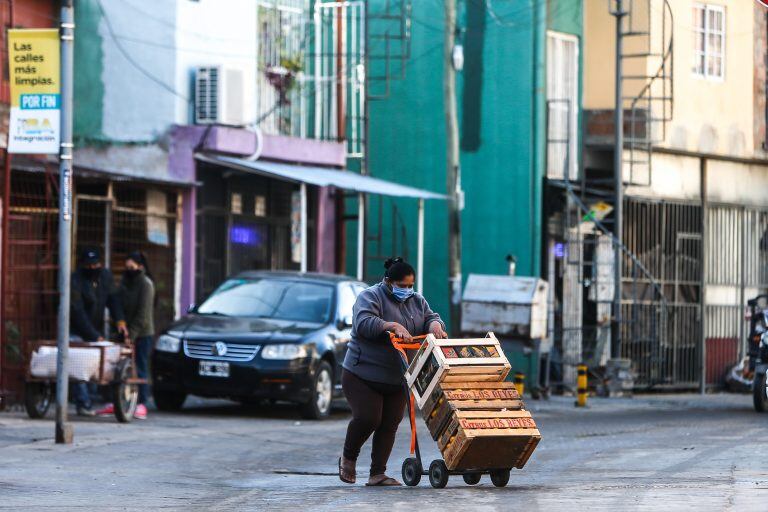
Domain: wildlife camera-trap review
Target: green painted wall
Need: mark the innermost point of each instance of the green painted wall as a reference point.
(502, 109)
(502, 123)
(89, 88)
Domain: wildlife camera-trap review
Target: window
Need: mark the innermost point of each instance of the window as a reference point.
(347, 297)
(709, 44)
(562, 105)
(270, 298)
(260, 206)
(236, 203)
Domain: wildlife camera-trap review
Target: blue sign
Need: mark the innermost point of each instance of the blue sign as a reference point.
(244, 235)
(40, 101)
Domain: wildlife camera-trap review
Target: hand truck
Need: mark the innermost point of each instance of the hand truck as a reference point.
(438, 472)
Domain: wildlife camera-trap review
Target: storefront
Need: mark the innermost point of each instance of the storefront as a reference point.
(246, 222)
(115, 213)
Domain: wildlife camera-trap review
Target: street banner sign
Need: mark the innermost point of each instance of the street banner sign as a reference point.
(34, 67)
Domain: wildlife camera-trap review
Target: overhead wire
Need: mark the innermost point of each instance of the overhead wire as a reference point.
(132, 61)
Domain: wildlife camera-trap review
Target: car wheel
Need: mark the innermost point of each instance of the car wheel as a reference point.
(170, 401)
(760, 390)
(319, 405)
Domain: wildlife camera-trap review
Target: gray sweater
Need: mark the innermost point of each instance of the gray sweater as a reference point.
(370, 354)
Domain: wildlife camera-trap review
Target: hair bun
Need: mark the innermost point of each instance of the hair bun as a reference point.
(392, 261)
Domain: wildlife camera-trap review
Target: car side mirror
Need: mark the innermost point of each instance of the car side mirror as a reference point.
(344, 322)
(191, 309)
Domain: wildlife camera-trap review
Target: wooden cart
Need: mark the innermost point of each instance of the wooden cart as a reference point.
(118, 376)
(476, 418)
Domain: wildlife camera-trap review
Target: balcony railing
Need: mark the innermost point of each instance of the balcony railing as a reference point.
(311, 70)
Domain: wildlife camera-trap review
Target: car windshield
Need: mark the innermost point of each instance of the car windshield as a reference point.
(270, 298)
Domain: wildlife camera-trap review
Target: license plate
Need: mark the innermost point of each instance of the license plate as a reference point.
(214, 369)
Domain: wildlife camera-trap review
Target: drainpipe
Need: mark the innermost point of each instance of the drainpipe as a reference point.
(538, 126)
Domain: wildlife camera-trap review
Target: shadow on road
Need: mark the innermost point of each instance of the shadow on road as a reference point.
(220, 408)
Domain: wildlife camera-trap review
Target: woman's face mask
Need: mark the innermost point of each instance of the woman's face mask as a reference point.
(401, 293)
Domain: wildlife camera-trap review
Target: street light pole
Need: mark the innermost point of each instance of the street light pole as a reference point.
(453, 169)
(618, 165)
(64, 431)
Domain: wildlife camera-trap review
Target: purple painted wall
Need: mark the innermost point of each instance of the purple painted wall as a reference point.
(186, 140)
(326, 230)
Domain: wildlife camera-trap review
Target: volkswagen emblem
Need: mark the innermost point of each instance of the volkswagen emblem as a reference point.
(219, 349)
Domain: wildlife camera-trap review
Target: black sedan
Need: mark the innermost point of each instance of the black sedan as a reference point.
(260, 335)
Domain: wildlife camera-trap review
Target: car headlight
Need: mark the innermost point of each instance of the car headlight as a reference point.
(284, 351)
(167, 343)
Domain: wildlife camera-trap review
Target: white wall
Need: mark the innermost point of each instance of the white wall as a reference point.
(216, 32)
(167, 39)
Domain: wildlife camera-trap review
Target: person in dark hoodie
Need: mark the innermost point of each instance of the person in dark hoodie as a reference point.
(372, 375)
(92, 290)
(137, 293)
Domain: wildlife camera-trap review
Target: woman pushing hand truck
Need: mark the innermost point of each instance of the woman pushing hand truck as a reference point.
(372, 375)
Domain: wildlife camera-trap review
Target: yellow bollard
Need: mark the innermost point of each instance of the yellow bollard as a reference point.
(520, 383)
(581, 386)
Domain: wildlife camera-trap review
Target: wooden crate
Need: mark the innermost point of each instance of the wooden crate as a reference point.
(488, 440)
(464, 396)
(467, 360)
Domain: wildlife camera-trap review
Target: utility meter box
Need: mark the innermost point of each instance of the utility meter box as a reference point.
(511, 306)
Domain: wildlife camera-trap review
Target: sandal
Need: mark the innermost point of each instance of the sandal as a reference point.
(385, 481)
(346, 475)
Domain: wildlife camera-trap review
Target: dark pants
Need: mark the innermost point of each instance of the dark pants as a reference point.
(143, 347)
(81, 394)
(376, 409)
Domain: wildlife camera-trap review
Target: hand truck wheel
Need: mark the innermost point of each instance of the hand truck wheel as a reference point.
(438, 474)
(500, 477)
(411, 471)
(471, 478)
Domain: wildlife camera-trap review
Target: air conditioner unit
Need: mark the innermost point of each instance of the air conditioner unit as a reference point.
(219, 96)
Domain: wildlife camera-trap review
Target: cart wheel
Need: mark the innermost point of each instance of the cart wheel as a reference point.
(37, 399)
(438, 474)
(471, 478)
(411, 472)
(500, 477)
(125, 396)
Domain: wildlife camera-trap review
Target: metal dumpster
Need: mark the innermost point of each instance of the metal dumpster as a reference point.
(515, 309)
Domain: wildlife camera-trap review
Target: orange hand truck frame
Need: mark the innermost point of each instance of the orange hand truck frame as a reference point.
(438, 472)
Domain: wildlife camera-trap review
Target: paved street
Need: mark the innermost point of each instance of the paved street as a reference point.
(650, 453)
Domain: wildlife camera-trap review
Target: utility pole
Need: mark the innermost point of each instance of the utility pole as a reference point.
(64, 431)
(618, 165)
(453, 169)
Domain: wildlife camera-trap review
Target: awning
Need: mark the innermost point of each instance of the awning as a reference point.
(347, 180)
(320, 176)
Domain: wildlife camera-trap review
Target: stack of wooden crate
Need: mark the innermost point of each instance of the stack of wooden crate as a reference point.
(477, 418)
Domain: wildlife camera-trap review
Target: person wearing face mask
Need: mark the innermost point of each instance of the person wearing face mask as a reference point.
(92, 291)
(137, 292)
(372, 375)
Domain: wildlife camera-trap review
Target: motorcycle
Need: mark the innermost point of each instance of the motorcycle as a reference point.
(758, 350)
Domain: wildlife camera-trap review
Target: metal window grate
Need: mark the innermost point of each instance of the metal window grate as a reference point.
(207, 95)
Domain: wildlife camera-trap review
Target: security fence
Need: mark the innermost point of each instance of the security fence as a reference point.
(667, 237)
(116, 217)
